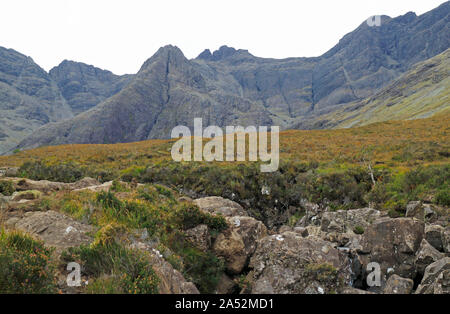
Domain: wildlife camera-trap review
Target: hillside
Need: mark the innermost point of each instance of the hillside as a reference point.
(419, 93)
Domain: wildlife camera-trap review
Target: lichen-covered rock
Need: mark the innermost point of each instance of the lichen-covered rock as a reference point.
(433, 234)
(416, 210)
(26, 195)
(436, 279)
(398, 285)
(237, 243)
(349, 221)
(392, 243)
(288, 264)
(446, 239)
(220, 205)
(55, 229)
(426, 255)
(200, 237)
(171, 281)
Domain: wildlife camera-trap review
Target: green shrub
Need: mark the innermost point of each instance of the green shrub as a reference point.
(129, 271)
(358, 230)
(66, 172)
(7, 188)
(191, 216)
(25, 265)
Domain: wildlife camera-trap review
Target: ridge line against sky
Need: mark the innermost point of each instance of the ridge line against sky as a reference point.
(120, 35)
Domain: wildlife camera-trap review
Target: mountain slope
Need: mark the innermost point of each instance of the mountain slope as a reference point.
(230, 87)
(84, 86)
(419, 93)
(28, 98)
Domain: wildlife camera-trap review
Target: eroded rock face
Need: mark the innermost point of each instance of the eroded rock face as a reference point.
(45, 186)
(55, 229)
(398, 285)
(345, 221)
(288, 263)
(434, 234)
(200, 237)
(416, 210)
(436, 279)
(392, 243)
(219, 205)
(171, 280)
(238, 242)
(426, 255)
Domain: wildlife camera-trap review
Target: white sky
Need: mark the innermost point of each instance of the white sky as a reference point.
(119, 35)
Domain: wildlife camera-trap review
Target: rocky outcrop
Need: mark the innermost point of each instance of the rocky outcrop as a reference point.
(436, 279)
(200, 237)
(55, 229)
(398, 285)
(171, 280)
(434, 235)
(426, 255)
(219, 205)
(288, 263)
(238, 242)
(44, 186)
(392, 243)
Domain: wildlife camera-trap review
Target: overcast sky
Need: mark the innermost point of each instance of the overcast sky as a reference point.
(120, 35)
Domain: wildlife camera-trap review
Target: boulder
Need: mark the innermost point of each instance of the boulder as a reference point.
(225, 285)
(237, 243)
(219, 205)
(436, 279)
(349, 221)
(55, 229)
(26, 195)
(171, 280)
(446, 239)
(11, 172)
(290, 264)
(200, 237)
(426, 255)
(433, 234)
(97, 188)
(392, 243)
(302, 231)
(398, 285)
(415, 210)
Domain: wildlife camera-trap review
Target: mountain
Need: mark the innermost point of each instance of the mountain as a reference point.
(29, 98)
(84, 86)
(419, 93)
(233, 87)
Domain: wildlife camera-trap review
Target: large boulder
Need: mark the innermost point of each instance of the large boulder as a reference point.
(290, 264)
(171, 281)
(398, 285)
(219, 205)
(446, 239)
(436, 279)
(415, 210)
(55, 229)
(426, 255)
(200, 237)
(392, 243)
(348, 221)
(434, 235)
(237, 243)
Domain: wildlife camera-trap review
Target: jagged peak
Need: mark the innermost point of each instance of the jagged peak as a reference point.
(222, 53)
(168, 53)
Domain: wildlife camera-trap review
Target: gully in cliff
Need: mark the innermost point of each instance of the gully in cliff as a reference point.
(234, 136)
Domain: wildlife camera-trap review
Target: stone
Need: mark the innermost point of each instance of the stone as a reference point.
(446, 239)
(347, 221)
(302, 231)
(436, 279)
(416, 210)
(398, 285)
(433, 234)
(26, 195)
(200, 237)
(219, 205)
(392, 243)
(426, 255)
(225, 285)
(290, 264)
(55, 229)
(237, 243)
